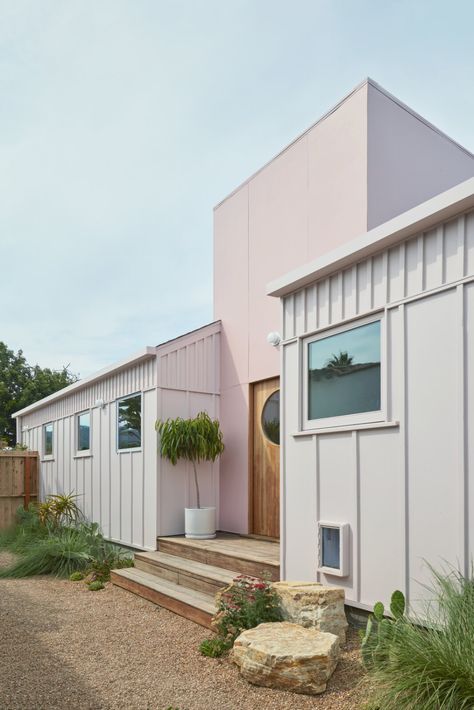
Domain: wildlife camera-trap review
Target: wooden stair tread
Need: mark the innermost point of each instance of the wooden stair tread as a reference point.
(191, 597)
(187, 566)
(247, 549)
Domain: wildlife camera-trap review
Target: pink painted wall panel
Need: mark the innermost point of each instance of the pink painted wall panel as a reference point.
(278, 228)
(337, 177)
(231, 287)
(234, 404)
(408, 160)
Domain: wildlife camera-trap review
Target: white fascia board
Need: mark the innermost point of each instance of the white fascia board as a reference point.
(456, 200)
(144, 354)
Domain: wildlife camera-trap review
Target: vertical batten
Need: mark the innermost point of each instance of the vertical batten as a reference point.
(323, 303)
(299, 312)
(335, 298)
(289, 317)
(311, 318)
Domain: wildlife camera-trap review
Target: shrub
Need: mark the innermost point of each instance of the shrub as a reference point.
(61, 553)
(96, 586)
(428, 664)
(59, 510)
(213, 648)
(76, 577)
(246, 603)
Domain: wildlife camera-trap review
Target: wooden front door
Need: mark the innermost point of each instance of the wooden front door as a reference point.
(266, 459)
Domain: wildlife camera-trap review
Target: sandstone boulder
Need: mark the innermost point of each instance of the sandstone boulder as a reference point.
(313, 605)
(287, 656)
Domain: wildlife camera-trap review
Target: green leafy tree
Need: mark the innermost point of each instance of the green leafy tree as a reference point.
(21, 385)
(198, 439)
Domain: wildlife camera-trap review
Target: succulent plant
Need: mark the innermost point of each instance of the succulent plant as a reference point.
(380, 630)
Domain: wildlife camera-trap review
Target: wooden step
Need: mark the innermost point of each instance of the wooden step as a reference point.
(190, 603)
(230, 552)
(184, 572)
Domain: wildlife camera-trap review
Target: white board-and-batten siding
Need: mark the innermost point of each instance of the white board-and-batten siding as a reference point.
(405, 486)
(122, 490)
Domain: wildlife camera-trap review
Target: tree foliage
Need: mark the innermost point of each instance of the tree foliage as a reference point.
(195, 440)
(22, 384)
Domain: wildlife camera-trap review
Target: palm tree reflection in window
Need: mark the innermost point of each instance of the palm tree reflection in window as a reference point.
(130, 422)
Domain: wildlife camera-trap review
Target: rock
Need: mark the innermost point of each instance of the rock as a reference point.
(313, 605)
(287, 656)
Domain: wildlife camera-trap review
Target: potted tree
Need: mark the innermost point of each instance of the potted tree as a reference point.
(195, 440)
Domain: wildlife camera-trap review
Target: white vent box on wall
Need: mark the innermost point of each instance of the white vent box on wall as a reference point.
(333, 548)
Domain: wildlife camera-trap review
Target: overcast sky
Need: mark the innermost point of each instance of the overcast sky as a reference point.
(123, 122)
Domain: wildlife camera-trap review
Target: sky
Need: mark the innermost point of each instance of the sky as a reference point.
(124, 122)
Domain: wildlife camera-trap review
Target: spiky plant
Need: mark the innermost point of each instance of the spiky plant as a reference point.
(195, 440)
(429, 663)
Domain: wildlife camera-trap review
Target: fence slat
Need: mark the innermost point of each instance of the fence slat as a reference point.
(18, 483)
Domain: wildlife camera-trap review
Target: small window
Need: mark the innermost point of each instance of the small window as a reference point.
(84, 431)
(344, 373)
(48, 439)
(129, 422)
(334, 548)
(271, 418)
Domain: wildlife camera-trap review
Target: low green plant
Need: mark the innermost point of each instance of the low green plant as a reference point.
(428, 663)
(380, 631)
(244, 604)
(76, 577)
(96, 586)
(61, 553)
(213, 648)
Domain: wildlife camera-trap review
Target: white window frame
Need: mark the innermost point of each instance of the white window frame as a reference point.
(83, 452)
(117, 402)
(344, 549)
(358, 417)
(48, 457)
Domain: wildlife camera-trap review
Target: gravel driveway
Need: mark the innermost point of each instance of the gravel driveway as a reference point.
(62, 646)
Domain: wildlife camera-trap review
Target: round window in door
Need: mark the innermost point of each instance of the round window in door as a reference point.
(271, 418)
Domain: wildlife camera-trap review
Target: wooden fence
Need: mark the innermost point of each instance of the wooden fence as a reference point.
(18, 483)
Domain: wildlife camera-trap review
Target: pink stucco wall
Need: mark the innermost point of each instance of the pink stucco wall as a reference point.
(346, 173)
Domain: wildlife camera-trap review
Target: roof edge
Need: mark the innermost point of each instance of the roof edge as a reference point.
(443, 206)
(367, 81)
(322, 118)
(144, 354)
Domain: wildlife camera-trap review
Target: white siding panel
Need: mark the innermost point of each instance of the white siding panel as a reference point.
(454, 250)
(435, 498)
(298, 497)
(382, 506)
(379, 280)
(323, 303)
(364, 287)
(433, 259)
(300, 312)
(289, 317)
(396, 273)
(150, 481)
(349, 280)
(413, 267)
(336, 298)
(469, 242)
(337, 469)
(311, 314)
(469, 414)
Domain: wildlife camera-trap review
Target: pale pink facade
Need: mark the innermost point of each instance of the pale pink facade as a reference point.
(367, 160)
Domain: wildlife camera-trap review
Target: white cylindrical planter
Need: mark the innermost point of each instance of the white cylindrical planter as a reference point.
(200, 523)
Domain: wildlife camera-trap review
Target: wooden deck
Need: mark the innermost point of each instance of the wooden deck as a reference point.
(243, 554)
(184, 575)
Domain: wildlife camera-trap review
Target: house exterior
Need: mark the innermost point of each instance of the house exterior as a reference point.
(367, 163)
(90, 443)
(392, 474)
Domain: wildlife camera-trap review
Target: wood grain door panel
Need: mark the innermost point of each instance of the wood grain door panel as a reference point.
(266, 467)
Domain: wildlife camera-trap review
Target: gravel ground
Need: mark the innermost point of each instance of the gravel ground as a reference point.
(62, 646)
